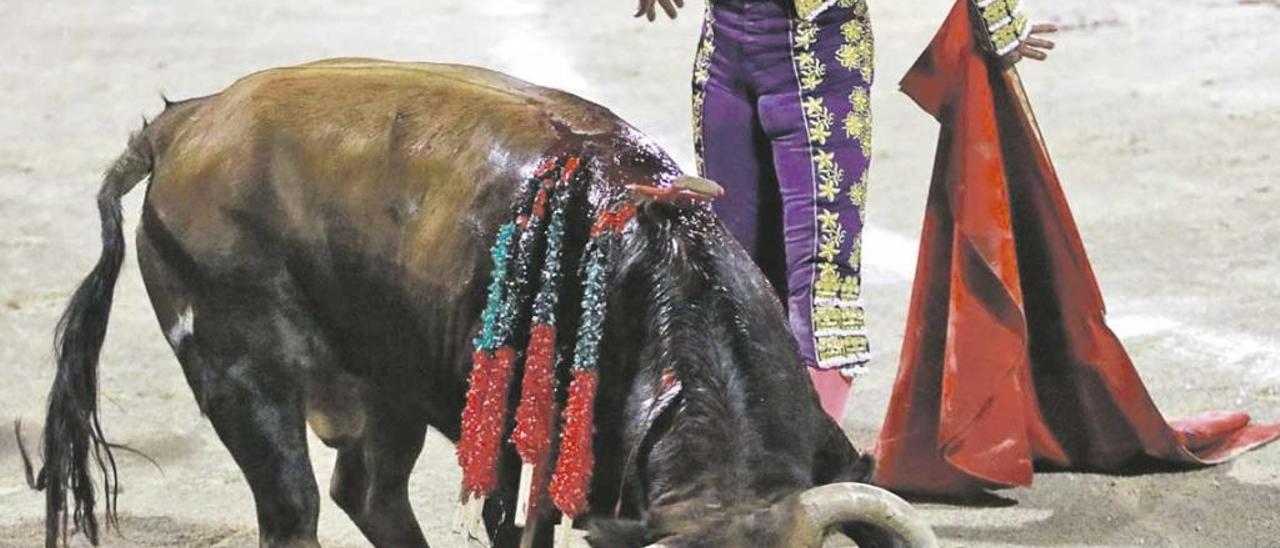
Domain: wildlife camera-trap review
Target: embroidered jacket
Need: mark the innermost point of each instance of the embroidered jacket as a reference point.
(1001, 22)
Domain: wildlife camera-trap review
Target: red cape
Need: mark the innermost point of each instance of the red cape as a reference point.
(1007, 358)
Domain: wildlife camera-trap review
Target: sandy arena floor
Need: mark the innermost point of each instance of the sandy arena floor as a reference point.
(1163, 118)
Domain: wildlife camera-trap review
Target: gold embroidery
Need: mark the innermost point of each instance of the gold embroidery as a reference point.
(820, 119)
(827, 319)
(855, 255)
(858, 51)
(1005, 24)
(851, 290)
(806, 35)
(809, 8)
(995, 12)
(828, 284)
(837, 316)
(832, 235)
(699, 100)
(857, 124)
(855, 345)
(829, 348)
(860, 99)
(701, 75)
(858, 193)
(812, 71)
(830, 175)
(1007, 37)
(857, 55)
(851, 318)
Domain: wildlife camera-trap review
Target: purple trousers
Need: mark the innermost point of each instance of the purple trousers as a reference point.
(782, 119)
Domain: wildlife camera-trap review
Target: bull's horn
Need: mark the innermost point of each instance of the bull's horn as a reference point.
(684, 188)
(698, 185)
(845, 503)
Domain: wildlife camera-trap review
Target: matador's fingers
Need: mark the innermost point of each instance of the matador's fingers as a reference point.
(1043, 28)
(647, 10)
(1040, 43)
(668, 8)
(1032, 53)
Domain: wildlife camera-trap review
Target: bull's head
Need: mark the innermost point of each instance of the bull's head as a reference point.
(745, 456)
(871, 515)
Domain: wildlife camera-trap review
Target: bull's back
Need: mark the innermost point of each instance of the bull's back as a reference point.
(368, 142)
(406, 158)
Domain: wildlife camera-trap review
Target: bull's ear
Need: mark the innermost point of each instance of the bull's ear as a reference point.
(685, 188)
(616, 533)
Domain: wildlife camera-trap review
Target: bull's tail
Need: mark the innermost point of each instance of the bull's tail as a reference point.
(72, 431)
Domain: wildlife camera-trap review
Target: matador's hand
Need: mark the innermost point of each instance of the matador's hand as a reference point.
(1033, 47)
(648, 8)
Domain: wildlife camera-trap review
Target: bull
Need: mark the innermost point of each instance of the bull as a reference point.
(314, 243)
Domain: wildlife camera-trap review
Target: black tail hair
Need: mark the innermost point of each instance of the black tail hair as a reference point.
(72, 430)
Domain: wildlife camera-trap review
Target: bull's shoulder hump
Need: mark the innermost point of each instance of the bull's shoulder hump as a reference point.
(371, 80)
